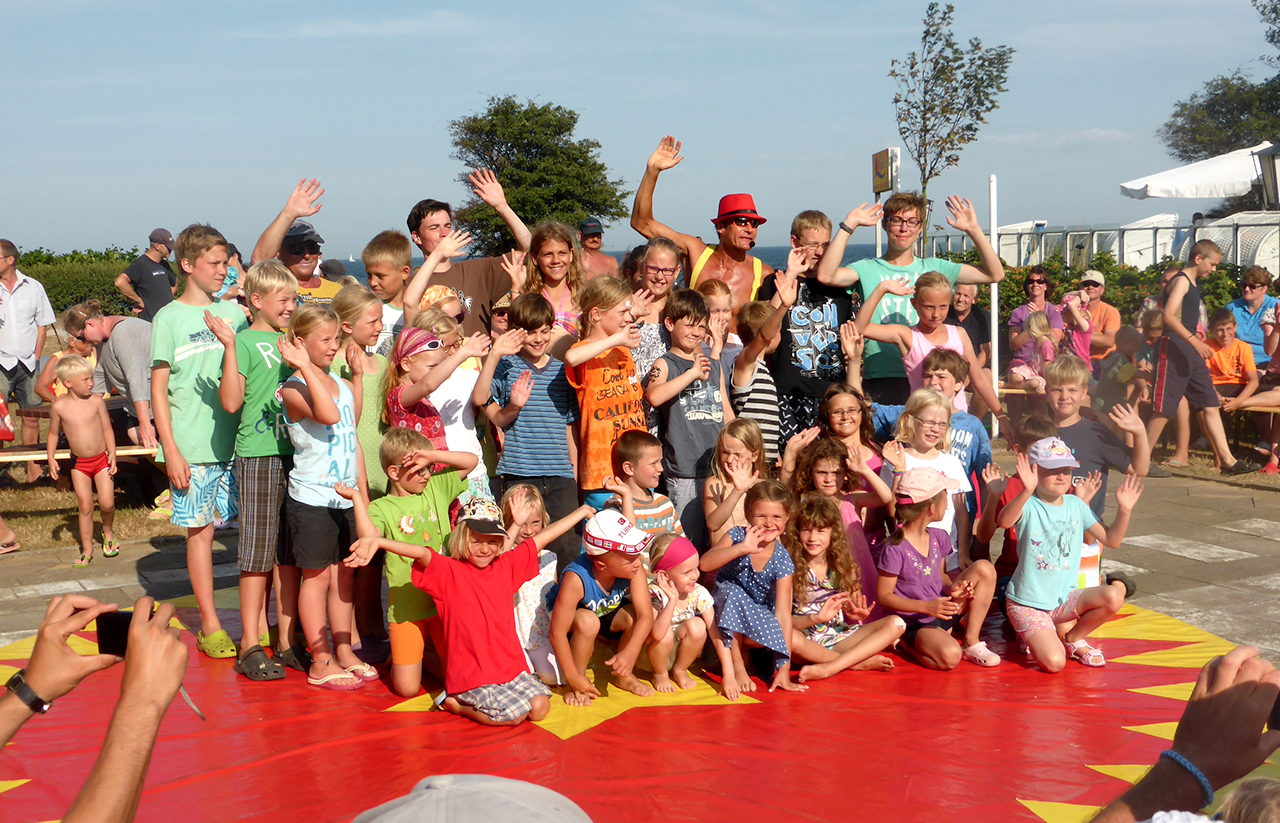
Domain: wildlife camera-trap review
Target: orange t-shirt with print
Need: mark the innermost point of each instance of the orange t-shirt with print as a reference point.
(610, 402)
(1231, 364)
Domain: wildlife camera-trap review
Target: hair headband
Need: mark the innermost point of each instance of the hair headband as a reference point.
(413, 341)
(679, 551)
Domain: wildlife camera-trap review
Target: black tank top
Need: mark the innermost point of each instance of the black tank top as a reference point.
(1189, 312)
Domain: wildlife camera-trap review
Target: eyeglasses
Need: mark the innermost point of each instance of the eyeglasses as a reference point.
(937, 425)
(816, 246)
(659, 270)
(301, 247)
(844, 414)
(909, 222)
(746, 221)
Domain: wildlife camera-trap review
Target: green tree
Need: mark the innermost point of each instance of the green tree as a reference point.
(945, 93)
(546, 174)
(1270, 11)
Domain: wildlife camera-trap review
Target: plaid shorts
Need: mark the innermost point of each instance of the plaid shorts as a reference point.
(261, 481)
(503, 702)
(212, 489)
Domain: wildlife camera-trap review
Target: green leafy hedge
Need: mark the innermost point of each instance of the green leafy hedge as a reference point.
(80, 275)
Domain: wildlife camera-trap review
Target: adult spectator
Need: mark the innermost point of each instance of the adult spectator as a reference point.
(1105, 317)
(883, 376)
(333, 270)
(594, 262)
(233, 284)
(1255, 312)
(124, 367)
(479, 282)
(25, 318)
(968, 315)
(1037, 287)
(736, 224)
(149, 282)
(297, 244)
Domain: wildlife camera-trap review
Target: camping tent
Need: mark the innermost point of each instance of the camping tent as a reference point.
(1228, 175)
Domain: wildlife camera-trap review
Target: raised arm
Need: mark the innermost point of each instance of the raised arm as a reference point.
(313, 400)
(1012, 512)
(485, 185)
(303, 202)
(666, 156)
(448, 248)
(885, 332)
(963, 218)
(628, 336)
(477, 345)
(231, 384)
(829, 270)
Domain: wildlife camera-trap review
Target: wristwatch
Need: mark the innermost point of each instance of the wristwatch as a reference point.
(18, 685)
(846, 228)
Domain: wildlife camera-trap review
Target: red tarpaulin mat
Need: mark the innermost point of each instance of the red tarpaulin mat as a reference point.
(1009, 743)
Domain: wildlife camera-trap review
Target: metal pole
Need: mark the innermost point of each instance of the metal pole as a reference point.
(877, 227)
(995, 315)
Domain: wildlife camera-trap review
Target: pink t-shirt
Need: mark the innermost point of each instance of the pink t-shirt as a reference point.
(920, 348)
(1076, 341)
(423, 418)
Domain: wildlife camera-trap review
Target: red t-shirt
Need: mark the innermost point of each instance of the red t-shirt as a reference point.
(479, 616)
(1008, 560)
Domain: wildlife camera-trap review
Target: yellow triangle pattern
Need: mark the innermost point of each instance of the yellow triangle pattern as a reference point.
(1129, 774)
(1061, 812)
(421, 703)
(1164, 731)
(1193, 656)
(6, 672)
(1144, 624)
(1174, 691)
(6, 785)
(21, 650)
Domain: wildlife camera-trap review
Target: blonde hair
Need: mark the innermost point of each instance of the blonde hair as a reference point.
(398, 442)
(460, 541)
(922, 400)
(195, 241)
(545, 233)
(269, 277)
(390, 247)
(1256, 800)
(1067, 370)
(82, 313)
(600, 293)
(532, 496)
(820, 512)
(747, 432)
(1152, 320)
(71, 366)
(751, 319)
(709, 288)
(393, 376)
(1037, 326)
(351, 303)
(309, 317)
(658, 547)
(811, 219)
(933, 280)
(436, 296)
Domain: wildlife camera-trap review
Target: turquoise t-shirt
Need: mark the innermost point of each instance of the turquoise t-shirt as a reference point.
(203, 431)
(262, 431)
(1049, 543)
(881, 360)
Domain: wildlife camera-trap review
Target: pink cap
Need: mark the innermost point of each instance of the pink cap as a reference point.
(921, 484)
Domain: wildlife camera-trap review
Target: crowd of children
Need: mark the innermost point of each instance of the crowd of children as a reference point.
(530, 498)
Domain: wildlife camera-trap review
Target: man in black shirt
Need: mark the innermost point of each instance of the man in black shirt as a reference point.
(968, 315)
(149, 282)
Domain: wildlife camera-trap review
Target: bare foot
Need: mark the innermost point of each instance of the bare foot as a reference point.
(451, 704)
(813, 672)
(683, 680)
(635, 686)
(745, 683)
(875, 663)
(662, 682)
(572, 698)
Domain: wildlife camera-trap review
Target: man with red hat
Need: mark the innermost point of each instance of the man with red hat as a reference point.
(736, 224)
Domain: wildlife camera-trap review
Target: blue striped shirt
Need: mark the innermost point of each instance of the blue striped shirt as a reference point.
(536, 443)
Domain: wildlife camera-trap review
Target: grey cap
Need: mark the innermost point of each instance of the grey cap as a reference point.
(163, 237)
(302, 230)
(333, 270)
(476, 798)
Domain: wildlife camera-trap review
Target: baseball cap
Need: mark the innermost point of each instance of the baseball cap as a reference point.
(923, 484)
(609, 531)
(476, 798)
(1093, 276)
(302, 230)
(482, 516)
(163, 237)
(333, 269)
(591, 226)
(1051, 453)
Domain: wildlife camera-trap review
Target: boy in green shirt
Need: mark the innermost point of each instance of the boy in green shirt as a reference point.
(197, 435)
(252, 373)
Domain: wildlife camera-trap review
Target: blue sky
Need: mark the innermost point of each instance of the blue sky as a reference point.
(130, 115)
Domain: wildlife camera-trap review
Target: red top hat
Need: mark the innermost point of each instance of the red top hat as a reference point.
(737, 205)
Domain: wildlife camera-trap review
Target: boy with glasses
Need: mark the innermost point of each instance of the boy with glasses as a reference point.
(903, 217)
(297, 244)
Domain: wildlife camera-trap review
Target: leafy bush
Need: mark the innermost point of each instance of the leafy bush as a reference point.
(80, 275)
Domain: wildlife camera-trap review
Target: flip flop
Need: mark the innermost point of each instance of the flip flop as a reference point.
(10, 548)
(1173, 464)
(111, 548)
(218, 645)
(329, 680)
(363, 671)
(82, 561)
(255, 665)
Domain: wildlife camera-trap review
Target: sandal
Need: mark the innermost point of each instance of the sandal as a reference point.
(1173, 464)
(218, 645)
(10, 547)
(255, 665)
(1120, 577)
(296, 658)
(1087, 655)
(979, 653)
(110, 548)
(363, 671)
(329, 681)
(82, 561)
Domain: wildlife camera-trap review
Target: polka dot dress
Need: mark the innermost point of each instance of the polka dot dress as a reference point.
(745, 598)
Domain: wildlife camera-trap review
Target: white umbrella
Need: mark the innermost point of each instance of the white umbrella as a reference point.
(1227, 175)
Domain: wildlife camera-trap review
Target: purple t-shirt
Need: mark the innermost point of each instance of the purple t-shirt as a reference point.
(1019, 318)
(919, 577)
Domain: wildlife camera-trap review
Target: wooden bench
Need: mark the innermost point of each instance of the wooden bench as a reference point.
(40, 455)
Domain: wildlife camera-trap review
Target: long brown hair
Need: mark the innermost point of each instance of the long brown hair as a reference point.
(817, 511)
(824, 448)
(866, 430)
(544, 233)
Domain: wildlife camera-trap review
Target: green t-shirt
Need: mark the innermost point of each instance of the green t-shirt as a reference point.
(879, 359)
(203, 431)
(262, 430)
(369, 428)
(419, 520)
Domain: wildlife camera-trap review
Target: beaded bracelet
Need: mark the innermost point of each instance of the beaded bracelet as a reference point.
(1170, 754)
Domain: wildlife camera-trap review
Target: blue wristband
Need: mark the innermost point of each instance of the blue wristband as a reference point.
(1170, 754)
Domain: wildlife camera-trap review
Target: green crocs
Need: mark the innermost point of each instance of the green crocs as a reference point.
(218, 645)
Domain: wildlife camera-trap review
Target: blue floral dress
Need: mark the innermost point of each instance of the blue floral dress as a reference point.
(745, 598)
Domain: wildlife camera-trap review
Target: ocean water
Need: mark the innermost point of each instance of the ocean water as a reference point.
(775, 256)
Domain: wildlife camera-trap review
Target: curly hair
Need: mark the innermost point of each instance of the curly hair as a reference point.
(816, 511)
(824, 448)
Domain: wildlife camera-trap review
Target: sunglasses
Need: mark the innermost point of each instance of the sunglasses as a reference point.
(460, 316)
(1038, 282)
(300, 248)
(746, 221)
(1252, 286)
